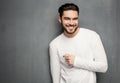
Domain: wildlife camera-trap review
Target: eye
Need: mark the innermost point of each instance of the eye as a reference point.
(75, 18)
(66, 18)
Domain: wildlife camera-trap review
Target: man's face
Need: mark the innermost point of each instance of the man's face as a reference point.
(69, 21)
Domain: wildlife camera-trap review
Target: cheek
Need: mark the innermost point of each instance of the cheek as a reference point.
(65, 22)
(76, 22)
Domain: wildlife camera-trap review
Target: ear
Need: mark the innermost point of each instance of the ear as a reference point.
(59, 19)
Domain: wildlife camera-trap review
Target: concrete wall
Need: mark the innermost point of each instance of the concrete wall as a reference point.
(27, 27)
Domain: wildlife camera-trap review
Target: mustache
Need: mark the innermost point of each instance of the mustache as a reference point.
(71, 25)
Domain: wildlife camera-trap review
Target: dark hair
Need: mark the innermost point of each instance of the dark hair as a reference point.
(68, 6)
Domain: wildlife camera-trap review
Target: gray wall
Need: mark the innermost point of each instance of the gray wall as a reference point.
(27, 27)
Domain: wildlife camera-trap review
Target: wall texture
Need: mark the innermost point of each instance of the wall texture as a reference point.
(27, 27)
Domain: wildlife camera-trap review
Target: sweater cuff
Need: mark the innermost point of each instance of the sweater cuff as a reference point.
(76, 61)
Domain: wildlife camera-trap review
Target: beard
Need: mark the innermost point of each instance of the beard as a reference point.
(75, 28)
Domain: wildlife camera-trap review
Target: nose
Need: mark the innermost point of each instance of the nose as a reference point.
(71, 22)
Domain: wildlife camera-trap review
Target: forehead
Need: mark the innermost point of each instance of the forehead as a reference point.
(70, 13)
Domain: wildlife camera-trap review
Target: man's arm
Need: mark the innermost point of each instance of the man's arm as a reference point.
(99, 63)
(54, 64)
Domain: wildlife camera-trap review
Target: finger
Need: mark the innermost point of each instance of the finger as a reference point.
(68, 61)
(67, 57)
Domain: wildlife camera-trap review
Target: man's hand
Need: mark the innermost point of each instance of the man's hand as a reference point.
(69, 59)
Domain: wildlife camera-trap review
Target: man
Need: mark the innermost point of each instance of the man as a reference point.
(77, 53)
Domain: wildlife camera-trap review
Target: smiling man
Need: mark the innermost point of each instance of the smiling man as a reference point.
(77, 54)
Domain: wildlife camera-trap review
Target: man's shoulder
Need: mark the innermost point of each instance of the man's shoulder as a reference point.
(55, 41)
(88, 31)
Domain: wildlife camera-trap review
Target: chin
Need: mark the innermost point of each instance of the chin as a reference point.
(70, 32)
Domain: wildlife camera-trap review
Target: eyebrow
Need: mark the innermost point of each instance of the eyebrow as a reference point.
(70, 18)
(75, 18)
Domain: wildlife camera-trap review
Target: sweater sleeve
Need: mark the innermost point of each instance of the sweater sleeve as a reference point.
(99, 62)
(54, 64)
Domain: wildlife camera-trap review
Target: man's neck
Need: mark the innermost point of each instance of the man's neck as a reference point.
(71, 35)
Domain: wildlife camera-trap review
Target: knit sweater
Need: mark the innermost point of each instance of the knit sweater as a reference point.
(90, 57)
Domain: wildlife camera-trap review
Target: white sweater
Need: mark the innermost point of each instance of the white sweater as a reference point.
(89, 54)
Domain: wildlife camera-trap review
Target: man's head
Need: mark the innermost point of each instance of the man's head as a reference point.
(68, 17)
(68, 6)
